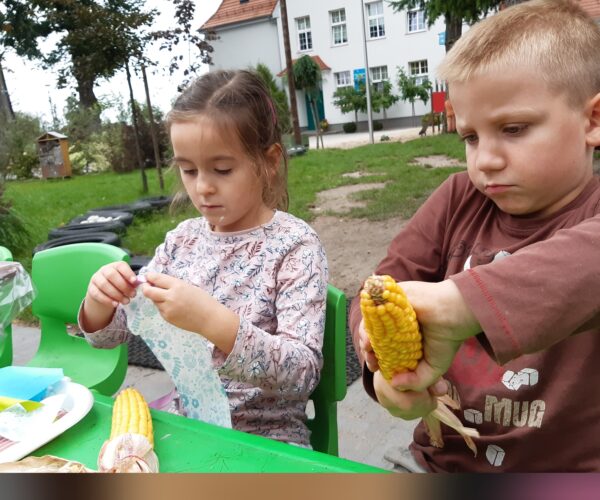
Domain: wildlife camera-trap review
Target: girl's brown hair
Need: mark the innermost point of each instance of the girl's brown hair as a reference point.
(239, 101)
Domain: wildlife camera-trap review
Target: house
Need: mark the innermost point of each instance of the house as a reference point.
(331, 32)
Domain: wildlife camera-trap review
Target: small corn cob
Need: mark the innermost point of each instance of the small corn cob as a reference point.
(391, 324)
(131, 442)
(131, 415)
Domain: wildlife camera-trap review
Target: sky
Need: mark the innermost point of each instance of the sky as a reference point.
(31, 88)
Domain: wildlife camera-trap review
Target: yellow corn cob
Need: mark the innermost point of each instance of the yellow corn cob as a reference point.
(131, 415)
(392, 326)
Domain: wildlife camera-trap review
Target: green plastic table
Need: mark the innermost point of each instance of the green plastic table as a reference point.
(186, 445)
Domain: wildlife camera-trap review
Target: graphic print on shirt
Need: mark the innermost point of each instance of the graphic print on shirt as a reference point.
(473, 359)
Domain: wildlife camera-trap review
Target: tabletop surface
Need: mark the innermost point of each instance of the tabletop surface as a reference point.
(186, 445)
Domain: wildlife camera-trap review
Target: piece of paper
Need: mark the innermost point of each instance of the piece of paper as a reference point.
(18, 424)
(186, 357)
(6, 403)
(27, 382)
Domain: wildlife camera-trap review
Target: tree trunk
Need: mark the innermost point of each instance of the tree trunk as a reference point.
(453, 29)
(290, 73)
(157, 160)
(5, 105)
(138, 149)
(413, 111)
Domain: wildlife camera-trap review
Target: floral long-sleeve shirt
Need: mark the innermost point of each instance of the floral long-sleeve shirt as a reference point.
(275, 278)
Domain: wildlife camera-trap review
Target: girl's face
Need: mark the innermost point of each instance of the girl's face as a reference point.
(218, 176)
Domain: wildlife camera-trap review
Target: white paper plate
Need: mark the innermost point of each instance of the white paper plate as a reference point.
(78, 402)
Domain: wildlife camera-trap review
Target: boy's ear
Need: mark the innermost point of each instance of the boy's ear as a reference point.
(593, 115)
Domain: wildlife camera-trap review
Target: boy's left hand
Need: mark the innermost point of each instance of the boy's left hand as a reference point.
(175, 299)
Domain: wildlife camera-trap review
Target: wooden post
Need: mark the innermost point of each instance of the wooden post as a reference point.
(138, 149)
(161, 182)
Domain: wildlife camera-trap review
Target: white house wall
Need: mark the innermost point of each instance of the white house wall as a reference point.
(395, 49)
(246, 45)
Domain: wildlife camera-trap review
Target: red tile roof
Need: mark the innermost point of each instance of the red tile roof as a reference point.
(232, 11)
(592, 7)
(316, 59)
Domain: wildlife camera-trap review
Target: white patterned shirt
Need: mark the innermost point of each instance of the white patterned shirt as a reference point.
(275, 278)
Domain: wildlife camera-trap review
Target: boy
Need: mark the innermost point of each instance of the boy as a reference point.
(504, 258)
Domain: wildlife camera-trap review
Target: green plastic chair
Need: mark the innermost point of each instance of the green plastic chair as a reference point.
(332, 386)
(6, 351)
(61, 276)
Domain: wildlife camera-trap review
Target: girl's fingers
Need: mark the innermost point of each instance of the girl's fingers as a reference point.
(97, 295)
(108, 289)
(160, 280)
(154, 293)
(120, 278)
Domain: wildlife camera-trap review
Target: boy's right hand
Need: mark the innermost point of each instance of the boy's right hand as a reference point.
(111, 285)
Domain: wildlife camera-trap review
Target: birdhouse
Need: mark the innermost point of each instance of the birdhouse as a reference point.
(53, 150)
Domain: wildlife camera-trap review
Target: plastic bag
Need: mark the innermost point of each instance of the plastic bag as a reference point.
(16, 292)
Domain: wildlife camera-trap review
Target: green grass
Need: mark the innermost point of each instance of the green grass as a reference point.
(44, 205)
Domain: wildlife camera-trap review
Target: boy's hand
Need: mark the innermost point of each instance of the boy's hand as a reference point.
(445, 322)
(366, 350)
(111, 285)
(178, 302)
(408, 405)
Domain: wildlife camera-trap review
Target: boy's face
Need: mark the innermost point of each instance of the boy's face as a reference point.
(527, 148)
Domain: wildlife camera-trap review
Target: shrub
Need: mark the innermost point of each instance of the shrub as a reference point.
(384, 138)
(428, 120)
(324, 125)
(377, 125)
(349, 127)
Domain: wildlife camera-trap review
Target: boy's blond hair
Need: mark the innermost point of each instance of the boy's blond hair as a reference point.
(556, 39)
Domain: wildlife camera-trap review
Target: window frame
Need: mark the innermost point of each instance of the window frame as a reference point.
(420, 75)
(348, 73)
(341, 24)
(423, 20)
(305, 31)
(376, 82)
(379, 28)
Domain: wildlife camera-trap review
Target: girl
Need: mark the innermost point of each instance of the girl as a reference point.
(249, 277)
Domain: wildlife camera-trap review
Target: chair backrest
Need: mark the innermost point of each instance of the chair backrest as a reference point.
(6, 351)
(61, 276)
(332, 386)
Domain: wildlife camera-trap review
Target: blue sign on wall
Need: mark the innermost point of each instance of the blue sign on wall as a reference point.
(360, 75)
(442, 38)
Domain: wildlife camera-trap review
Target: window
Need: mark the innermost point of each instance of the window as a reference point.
(379, 74)
(415, 20)
(418, 69)
(304, 33)
(375, 19)
(339, 35)
(343, 79)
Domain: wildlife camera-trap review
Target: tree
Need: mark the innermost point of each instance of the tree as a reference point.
(94, 36)
(411, 90)
(289, 70)
(350, 99)
(307, 77)
(455, 12)
(382, 98)
(279, 98)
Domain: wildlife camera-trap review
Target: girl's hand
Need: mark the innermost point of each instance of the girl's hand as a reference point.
(407, 405)
(191, 308)
(111, 285)
(366, 350)
(177, 301)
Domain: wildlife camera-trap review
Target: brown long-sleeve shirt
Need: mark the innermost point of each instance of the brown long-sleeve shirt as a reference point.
(529, 384)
